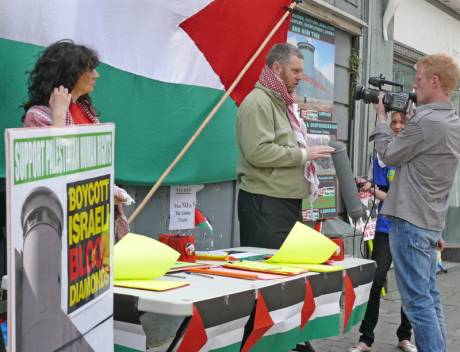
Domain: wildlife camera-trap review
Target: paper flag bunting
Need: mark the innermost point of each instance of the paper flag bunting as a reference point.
(350, 297)
(195, 337)
(260, 324)
(309, 305)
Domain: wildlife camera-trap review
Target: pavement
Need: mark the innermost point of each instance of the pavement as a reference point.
(389, 319)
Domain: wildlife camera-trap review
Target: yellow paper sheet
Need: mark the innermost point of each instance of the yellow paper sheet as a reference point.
(151, 285)
(319, 268)
(264, 267)
(304, 245)
(211, 255)
(138, 257)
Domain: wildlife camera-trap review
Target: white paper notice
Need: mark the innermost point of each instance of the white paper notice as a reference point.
(182, 206)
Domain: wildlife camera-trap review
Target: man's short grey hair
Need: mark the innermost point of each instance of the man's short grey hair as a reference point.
(282, 53)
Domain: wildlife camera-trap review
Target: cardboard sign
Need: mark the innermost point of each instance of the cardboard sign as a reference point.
(60, 235)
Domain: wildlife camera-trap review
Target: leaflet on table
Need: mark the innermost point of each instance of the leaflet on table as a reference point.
(241, 255)
(184, 266)
(304, 245)
(138, 257)
(235, 273)
(319, 268)
(265, 268)
(151, 285)
(211, 255)
(229, 255)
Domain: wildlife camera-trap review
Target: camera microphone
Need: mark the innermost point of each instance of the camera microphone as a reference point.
(346, 180)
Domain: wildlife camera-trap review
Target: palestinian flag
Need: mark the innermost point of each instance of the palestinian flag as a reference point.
(202, 221)
(287, 301)
(129, 335)
(223, 321)
(357, 285)
(272, 320)
(165, 66)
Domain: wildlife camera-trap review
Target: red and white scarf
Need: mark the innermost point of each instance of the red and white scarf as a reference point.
(272, 81)
(89, 111)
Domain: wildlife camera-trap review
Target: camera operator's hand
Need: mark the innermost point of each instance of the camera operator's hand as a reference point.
(380, 109)
(319, 152)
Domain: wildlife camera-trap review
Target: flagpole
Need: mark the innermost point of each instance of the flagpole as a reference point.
(211, 114)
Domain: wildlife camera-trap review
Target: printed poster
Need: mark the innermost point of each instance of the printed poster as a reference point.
(60, 236)
(325, 205)
(321, 133)
(366, 226)
(316, 41)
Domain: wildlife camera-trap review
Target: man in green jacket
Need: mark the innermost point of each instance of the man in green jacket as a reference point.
(275, 166)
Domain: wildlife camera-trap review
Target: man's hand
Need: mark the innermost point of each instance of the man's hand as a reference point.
(319, 152)
(380, 109)
(59, 104)
(441, 244)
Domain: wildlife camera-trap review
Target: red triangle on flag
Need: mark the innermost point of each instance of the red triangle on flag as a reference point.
(199, 217)
(309, 305)
(195, 337)
(262, 322)
(228, 33)
(350, 297)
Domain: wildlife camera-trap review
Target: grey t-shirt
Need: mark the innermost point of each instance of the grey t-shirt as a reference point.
(426, 154)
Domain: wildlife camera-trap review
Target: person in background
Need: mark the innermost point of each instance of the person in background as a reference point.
(58, 95)
(426, 155)
(59, 87)
(274, 169)
(382, 176)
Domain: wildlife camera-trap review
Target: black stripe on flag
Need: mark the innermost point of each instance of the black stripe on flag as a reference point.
(325, 283)
(217, 311)
(362, 274)
(284, 294)
(292, 292)
(125, 309)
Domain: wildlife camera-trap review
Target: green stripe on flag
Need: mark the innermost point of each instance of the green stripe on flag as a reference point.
(356, 316)
(154, 121)
(120, 348)
(316, 329)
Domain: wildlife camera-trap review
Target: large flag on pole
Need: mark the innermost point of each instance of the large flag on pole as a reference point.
(165, 65)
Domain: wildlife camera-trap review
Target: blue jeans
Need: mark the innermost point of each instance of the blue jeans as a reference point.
(414, 255)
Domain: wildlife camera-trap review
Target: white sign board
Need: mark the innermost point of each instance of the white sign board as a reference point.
(60, 237)
(182, 203)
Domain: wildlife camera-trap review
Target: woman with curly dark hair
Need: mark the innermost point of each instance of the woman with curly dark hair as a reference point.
(59, 86)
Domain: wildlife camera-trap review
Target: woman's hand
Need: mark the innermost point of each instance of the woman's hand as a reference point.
(59, 104)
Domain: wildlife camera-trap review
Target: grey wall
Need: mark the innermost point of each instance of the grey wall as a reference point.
(216, 201)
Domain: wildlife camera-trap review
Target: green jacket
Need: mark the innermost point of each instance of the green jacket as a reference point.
(270, 161)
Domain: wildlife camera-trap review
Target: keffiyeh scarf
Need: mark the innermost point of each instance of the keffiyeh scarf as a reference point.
(272, 81)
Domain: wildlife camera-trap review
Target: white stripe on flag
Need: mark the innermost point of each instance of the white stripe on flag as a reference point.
(140, 37)
(362, 294)
(326, 305)
(225, 334)
(285, 319)
(129, 335)
(288, 318)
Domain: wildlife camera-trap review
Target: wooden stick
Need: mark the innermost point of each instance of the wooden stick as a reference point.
(210, 115)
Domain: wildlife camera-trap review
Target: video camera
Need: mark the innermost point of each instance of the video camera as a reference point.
(395, 101)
